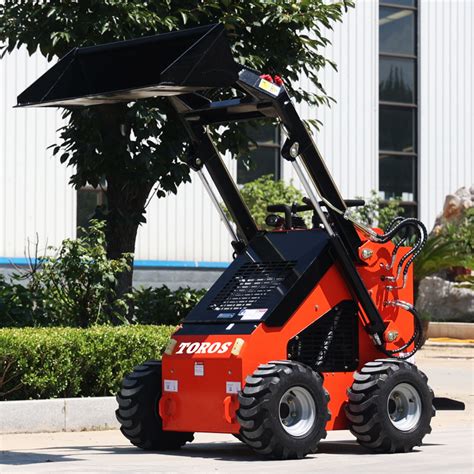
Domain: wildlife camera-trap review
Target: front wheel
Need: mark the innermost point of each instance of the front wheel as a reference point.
(138, 414)
(283, 410)
(390, 406)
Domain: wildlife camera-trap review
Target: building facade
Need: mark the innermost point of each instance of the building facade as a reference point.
(401, 125)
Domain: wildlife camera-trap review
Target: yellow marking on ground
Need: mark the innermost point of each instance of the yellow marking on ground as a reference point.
(451, 340)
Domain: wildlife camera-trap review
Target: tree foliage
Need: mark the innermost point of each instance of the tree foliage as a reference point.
(273, 36)
(136, 148)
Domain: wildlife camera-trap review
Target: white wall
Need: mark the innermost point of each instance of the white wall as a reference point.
(35, 198)
(446, 101)
(186, 227)
(348, 138)
(34, 195)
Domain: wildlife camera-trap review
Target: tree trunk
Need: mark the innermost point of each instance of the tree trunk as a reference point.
(126, 203)
(126, 194)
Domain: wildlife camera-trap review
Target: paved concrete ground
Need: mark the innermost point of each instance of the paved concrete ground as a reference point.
(449, 449)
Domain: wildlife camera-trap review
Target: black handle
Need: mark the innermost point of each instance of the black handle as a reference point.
(277, 208)
(354, 202)
(308, 206)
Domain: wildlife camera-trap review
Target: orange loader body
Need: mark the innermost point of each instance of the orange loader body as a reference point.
(311, 327)
(204, 397)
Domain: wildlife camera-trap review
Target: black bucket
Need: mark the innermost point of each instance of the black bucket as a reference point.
(168, 64)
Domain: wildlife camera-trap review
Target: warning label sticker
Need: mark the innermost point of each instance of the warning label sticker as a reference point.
(232, 387)
(199, 369)
(170, 385)
(256, 313)
(268, 86)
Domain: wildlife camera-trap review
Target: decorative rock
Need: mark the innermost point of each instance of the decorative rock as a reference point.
(455, 206)
(445, 300)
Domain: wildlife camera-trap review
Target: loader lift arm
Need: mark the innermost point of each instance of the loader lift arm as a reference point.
(198, 113)
(180, 65)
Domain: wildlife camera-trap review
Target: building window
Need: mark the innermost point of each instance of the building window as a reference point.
(398, 110)
(264, 157)
(91, 204)
(397, 129)
(397, 80)
(398, 174)
(397, 30)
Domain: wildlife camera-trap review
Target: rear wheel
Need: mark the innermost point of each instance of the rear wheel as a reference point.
(390, 406)
(138, 414)
(283, 410)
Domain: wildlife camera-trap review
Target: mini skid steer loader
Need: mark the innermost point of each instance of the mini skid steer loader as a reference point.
(308, 329)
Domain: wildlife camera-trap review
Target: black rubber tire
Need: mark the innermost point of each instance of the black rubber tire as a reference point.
(138, 414)
(367, 410)
(258, 414)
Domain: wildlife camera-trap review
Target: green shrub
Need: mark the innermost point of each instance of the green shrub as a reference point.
(20, 307)
(265, 190)
(17, 304)
(77, 288)
(452, 247)
(72, 362)
(77, 285)
(73, 286)
(162, 305)
(375, 212)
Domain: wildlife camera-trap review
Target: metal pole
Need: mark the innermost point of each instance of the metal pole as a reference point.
(312, 195)
(217, 205)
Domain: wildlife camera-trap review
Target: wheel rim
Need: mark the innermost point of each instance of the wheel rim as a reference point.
(404, 407)
(297, 411)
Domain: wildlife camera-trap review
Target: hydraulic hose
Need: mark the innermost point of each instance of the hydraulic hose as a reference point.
(416, 339)
(397, 245)
(410, 256)
(396, 226)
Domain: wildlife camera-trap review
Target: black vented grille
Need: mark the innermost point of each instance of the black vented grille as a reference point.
(330, 344)
(252, 286)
